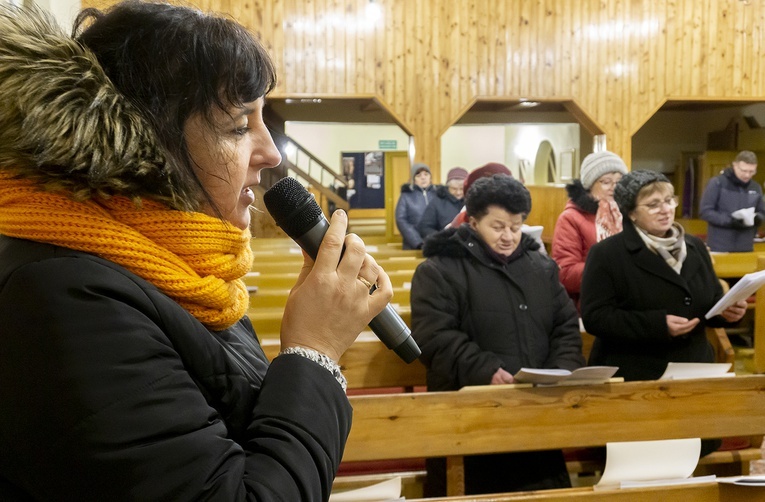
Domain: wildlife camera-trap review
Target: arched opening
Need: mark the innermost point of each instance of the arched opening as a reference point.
(541, 141)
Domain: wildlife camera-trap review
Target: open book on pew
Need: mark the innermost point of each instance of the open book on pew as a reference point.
(639, 464)
(583, 375)
(384, 491)
(743, 289)
(687, 371)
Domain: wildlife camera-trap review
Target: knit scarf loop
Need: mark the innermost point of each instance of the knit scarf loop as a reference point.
(195, 259)
(671, 248)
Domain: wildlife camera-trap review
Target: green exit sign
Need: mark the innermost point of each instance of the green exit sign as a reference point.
(387, 144)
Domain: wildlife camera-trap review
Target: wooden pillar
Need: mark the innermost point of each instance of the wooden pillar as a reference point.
(455, 476)
(759, 324)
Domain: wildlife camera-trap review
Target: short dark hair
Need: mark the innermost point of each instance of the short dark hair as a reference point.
(497, 190)
(746, 157)
(172, 63)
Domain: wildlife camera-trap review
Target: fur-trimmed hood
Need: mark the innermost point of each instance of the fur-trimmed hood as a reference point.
(581, 198)
(442, 192)
(64, 125)
(453, 242)
(410, 188)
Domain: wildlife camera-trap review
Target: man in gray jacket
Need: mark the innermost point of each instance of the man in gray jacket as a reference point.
(732, 205)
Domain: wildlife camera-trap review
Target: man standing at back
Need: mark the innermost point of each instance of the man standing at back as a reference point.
(732, 205)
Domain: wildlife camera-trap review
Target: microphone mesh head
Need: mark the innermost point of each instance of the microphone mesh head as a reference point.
(293, 208)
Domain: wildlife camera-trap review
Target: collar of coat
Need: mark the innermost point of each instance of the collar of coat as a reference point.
(731, 175)
(442, 192)
(64, 125)
(581, 198)
(455, 243)
(409, 188)
(653, 263)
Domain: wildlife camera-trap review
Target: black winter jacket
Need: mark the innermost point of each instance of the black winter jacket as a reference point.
(627, 292)
(439, 212)
(471, 315)
(111, 391)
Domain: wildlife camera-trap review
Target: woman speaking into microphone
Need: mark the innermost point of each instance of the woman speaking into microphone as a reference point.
(130, 370)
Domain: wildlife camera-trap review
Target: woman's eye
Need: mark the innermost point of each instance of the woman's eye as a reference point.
(241, 131)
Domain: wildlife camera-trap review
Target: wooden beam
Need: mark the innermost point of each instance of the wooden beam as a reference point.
(505, 418)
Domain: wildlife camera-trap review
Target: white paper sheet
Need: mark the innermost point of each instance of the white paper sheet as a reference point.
(743, 289)
(687, 371)
(533, 231)
(583, 375)
(385, 491)
(671, 459)
(746, 214)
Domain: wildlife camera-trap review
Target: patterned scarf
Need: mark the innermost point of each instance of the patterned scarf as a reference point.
(195, 259)
(608, 219)
(671, 248)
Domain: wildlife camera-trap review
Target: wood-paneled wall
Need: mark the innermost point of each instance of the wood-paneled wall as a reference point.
(427, 60)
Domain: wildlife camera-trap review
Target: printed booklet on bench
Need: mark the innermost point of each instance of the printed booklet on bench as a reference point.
(583, 375)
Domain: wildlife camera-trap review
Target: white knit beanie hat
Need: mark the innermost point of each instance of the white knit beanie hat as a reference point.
(597, 164)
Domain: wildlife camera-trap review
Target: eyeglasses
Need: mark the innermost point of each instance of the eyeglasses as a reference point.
(657, 205)
(607, 183)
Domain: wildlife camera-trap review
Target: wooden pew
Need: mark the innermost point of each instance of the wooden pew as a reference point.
(295, 264)
(369, 364)
(735, 265)
(284, 242)
(694, 226)
(294, 253)
(399, 278)
(518, 418)
(277, 297)
(268, 321)
(706, 492)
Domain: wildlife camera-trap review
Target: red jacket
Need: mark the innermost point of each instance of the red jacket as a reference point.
(573, 237)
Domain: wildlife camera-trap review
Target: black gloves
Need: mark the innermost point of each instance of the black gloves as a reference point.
(758, 217)
(738, 223)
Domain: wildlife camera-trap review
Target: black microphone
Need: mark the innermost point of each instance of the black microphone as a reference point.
(297, 213)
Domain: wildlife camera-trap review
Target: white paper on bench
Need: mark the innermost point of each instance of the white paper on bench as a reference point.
(666, 460)
(686, 371)
(585, 374)
(755, 481)
(384, 491)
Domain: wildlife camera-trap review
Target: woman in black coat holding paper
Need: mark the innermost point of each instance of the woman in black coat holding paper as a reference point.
(646, 290)
(484, 304)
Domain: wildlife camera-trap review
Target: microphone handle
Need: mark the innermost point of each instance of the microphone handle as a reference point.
(311, 240)
(387, 325)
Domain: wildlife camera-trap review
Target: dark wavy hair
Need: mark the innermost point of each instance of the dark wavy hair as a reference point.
(172, 63)
(497, 190)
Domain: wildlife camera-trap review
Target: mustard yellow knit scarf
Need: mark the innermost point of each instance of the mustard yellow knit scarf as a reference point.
(195, 259)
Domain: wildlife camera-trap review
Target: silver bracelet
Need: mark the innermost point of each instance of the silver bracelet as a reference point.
(322, 360)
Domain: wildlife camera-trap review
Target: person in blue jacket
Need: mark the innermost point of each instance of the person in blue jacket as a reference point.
(725, 194)
(415, 196)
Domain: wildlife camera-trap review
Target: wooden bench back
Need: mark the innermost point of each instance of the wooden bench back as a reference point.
(515, 418)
